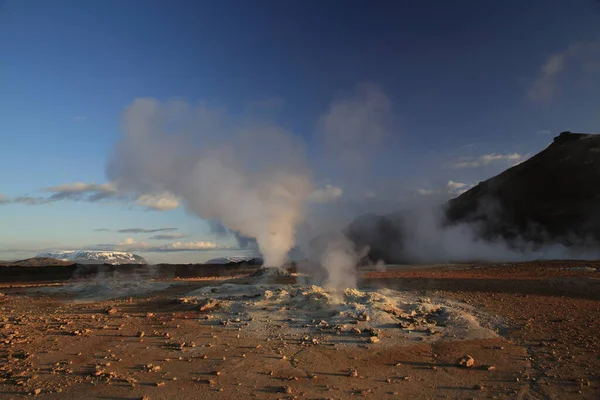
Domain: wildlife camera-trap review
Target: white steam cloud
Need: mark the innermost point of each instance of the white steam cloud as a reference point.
(250, 175)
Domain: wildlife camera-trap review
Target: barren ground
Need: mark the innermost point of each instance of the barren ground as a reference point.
(54, 345)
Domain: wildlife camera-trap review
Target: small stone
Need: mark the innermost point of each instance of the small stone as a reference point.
(466, 361)
(478, 387)
(160, 384)
(111, 310)
(363, 316)
(374, 339)
(353, 373)
(208, 304)
(37, 391)
(286, 389)
(141, 334)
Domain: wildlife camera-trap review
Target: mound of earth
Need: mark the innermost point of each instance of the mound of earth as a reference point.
(553, 197)
(313, 313)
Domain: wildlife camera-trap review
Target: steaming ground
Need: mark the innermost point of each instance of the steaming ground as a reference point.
(532, 330)
(345, 317)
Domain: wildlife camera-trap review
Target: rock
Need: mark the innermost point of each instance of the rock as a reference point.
(286, 389)
(373, 339)
(466, 361)
(145, 397)
(363, 316)
(37, 391)
(208, 304)
(111, 310)
(353, 373)
(140, 334)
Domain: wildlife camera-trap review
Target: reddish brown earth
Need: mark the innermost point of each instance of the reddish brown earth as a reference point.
(550, 348)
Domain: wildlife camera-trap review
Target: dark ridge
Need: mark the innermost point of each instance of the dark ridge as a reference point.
(553, 197)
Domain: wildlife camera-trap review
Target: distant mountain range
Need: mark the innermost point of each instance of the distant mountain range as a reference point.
(93, 257)
(235, 260)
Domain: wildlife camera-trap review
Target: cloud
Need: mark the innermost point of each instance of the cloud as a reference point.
(353, 128)
(487, 159)
(249, 173)
(327, 194)
(131, 245)
(161, 202)
(243, 241)
(547, 84)
(142, 230)
(137, 230)
(371, 194)
(458, 187)
(81, 187)
(426, 192)
(543, 132)
(167, 236)
(80, 118)
(451, 189)
(78, 191)
(92, 192)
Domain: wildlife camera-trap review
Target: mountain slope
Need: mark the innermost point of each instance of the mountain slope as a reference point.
(554, 197)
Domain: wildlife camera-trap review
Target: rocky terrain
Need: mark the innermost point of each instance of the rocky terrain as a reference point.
(238, 337)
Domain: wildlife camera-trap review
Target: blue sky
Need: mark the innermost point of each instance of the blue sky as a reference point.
(474, 87)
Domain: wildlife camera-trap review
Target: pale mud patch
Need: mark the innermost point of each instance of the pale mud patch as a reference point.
(315, 315)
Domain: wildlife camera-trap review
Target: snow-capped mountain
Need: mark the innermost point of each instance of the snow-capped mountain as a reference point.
(233, 259)
(94, 257)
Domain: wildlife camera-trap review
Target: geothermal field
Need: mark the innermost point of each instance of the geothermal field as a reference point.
(520, 330)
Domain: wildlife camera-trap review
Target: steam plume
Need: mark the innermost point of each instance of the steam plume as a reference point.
(250, 175)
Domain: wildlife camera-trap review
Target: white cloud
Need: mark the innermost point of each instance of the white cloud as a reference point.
(426, 192)
(131, 245)
(92, 192)
(80, 118)
(159, 201)
(546, 85)
(451, 189)
(457, 187)
(81, 187)
(167, 236)
(328, 194)
(487, 159)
